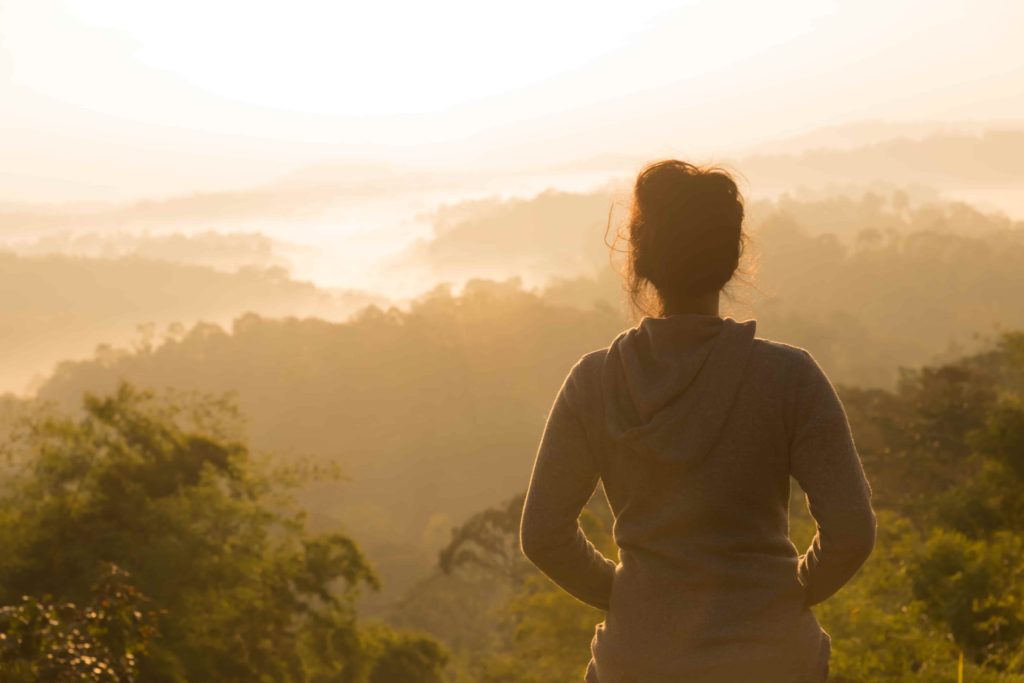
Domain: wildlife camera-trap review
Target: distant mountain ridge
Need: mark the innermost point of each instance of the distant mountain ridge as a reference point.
(949, 156)
(57, 307)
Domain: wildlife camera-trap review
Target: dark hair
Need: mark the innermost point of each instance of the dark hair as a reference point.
(685, 233)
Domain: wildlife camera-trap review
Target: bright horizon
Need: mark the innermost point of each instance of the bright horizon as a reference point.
(118, 100)
(291, 293)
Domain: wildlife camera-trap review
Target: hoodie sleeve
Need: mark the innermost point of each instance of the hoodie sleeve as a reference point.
(824, 461)
(564, 477)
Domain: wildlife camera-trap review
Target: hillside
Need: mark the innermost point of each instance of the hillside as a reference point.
(428, 425)
(56, 307)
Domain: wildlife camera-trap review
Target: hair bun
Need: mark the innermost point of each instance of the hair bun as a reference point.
(685, 229)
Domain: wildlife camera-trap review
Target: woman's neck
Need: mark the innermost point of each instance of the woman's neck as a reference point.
(700, 304)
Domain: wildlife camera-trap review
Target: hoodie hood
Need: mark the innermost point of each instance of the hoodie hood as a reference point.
(669, 383)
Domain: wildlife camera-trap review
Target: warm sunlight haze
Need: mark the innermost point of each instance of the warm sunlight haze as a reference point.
(535, 342)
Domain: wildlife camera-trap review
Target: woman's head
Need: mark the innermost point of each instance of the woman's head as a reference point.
(685, 234)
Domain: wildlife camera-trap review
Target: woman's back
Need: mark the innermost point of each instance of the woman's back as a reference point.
(694, 426)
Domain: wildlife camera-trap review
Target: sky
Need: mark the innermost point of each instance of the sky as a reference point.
(338, 129)
(113, 100)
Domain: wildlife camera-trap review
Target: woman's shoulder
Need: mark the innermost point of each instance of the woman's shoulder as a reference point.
(773, 351)
(780, 350)
(782, 360)
(586, 372)
(775, 362)
(592, 359)
(796, 369)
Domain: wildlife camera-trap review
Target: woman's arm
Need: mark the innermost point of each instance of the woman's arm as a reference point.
(824, 461)
(565, 474)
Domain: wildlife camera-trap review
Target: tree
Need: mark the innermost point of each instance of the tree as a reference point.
(971, 577)
(548, 632)
(163, 488)
(404, 657)
(975, 590)
(101, 642)
(489, 541)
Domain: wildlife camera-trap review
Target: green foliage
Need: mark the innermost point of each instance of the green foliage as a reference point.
(243, 590)
(551, 637)
(1002, 437)
(420, 407)
(944, 454)
(942, 450)
(46, 642)
(404, 657)
(879, 629)
(971, 577)
(433, 401)
(489, 541)
(430, 403)
(918, 441)
(975, 589)
(545, 633)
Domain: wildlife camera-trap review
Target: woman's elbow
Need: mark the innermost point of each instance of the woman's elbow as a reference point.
(537, 542)
(870, 535)
(861, 540)
(532, 544)
(853, 540)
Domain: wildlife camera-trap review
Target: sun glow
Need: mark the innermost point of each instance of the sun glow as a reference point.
(389, 58)
(225, 94)
(368, 58)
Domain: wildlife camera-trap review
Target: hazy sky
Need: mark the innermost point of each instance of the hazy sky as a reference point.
(113, 99)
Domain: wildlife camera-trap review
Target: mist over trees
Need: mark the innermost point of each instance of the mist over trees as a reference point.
(117, 280)
(273, 479)
(941, 449)
(56, 307)
(945, 159)
(438, 406)
(222, 251)
(430, 413)
(871, 281)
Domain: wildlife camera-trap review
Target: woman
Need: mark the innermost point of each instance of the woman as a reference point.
(694, 427)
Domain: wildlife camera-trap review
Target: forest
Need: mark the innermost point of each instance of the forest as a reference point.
(331, 492)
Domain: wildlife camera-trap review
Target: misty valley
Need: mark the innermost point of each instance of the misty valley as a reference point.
(215, 470)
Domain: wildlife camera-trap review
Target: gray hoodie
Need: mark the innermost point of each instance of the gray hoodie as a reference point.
(694, 426)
